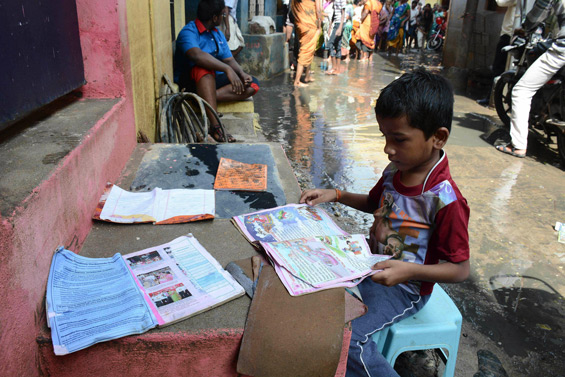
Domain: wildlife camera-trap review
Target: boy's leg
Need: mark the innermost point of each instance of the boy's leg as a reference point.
(386, 305)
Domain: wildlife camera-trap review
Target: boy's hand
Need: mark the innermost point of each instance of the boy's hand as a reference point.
(393, 272)
(317, 196)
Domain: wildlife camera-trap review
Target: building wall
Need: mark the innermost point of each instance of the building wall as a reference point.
(149, 27)
(486, 30)
(58, 211)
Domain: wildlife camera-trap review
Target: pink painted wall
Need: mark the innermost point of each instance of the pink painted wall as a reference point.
(58, 211)
(205, 353)
(102, 30)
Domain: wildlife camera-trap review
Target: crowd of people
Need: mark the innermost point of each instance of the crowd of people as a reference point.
(355, 29)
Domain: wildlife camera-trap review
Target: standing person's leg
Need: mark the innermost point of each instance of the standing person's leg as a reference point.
(386, 305)
(335, 50)
(534, 78)
(500, 57)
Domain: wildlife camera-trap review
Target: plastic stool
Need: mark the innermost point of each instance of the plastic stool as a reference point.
(436, 326)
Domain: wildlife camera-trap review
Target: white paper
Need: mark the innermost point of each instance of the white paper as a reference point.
(123, 206)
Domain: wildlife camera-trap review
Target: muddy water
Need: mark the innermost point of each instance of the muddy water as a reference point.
(329, 129)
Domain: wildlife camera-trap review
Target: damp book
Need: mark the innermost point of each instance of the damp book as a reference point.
(92, 300)
(157, 206)
(308, 250)
(238, 176)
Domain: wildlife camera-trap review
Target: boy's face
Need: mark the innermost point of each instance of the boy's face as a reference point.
(407, 146)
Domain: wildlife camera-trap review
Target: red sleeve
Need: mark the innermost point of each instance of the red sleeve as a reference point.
(375, 193)
(450, 240)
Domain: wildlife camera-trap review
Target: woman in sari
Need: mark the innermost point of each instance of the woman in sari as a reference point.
(307, 21)
(396, 27)
(366, 44)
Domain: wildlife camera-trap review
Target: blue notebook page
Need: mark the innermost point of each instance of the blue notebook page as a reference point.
(92, 300)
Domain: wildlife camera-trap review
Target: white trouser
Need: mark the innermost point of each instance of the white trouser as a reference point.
(535, 77)
(420, 35)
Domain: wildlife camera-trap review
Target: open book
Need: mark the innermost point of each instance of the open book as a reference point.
(91, 300)
(309, 251)
(158, 206)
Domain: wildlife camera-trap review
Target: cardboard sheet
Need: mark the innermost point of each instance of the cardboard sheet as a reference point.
(291, 336)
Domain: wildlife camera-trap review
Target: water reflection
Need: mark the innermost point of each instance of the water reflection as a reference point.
(329, 129)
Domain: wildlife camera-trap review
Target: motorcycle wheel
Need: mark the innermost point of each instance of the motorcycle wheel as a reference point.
(434, 43)
(503, 97)
(561, 146)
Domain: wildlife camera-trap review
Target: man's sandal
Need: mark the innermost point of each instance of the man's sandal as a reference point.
(217, 134)
(509, 150)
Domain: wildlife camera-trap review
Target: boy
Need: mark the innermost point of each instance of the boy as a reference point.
(420, 216)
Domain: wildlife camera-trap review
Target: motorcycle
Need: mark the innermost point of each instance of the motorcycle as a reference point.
(435, 41)
(547, 114)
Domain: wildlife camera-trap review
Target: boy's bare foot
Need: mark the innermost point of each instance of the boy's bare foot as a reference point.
(300, 84)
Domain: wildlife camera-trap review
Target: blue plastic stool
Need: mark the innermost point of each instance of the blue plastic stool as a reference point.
(436, 326)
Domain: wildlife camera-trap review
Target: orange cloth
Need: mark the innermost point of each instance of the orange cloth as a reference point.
(364, 30)
(397, 42)
(304, 12)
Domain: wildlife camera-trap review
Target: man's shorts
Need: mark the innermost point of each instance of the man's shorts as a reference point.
(196, 73)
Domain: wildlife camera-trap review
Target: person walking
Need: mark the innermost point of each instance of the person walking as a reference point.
(366, 42)
(396, 28)
(307, 21)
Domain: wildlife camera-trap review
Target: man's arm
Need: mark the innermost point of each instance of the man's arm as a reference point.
(539, 12)
(395, 272)
(207, 61)
(226, 21)
(245, 77)
(340, 28)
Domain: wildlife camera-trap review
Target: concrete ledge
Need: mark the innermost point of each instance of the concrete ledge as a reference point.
(263, 55)
(75, 150)
(245, 106)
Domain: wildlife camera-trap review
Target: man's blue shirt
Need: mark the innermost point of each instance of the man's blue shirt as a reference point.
(194, 34)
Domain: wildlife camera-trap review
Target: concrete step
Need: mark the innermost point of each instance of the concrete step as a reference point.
(203, 345)
(243, 126)
(54, 167)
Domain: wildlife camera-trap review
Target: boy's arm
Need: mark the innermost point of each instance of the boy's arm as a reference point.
(360, 202)
(395, 272)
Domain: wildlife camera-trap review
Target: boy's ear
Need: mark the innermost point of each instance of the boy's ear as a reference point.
(440, 137)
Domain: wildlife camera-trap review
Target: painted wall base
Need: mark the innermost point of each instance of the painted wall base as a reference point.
(263, 55)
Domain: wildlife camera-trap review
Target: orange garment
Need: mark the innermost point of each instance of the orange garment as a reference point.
(364, 30)
(304, 12)
(354, 33)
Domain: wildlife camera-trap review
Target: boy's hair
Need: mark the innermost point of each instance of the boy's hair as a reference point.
(209, 8)
(424, 98)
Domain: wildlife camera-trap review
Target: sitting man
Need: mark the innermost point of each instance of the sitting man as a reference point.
(204, 63)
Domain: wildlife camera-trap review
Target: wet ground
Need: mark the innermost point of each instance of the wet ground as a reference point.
(513, 304)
